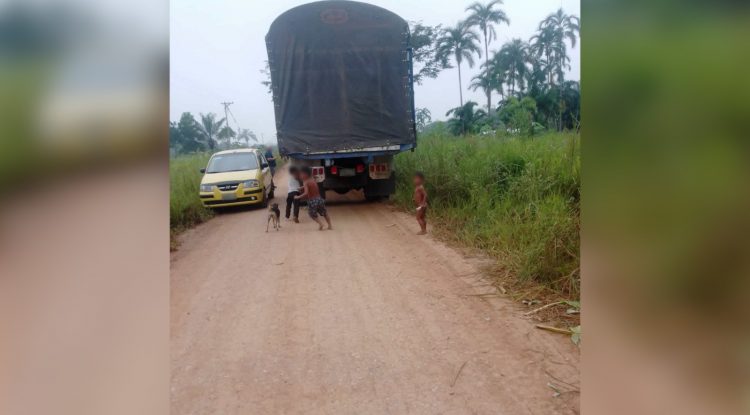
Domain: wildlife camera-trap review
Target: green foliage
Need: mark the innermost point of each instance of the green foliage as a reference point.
(422, 117)
(435, 127)
(185, 136)
(516, 199)
(424, 43)
(185, 208)
(518, 115)
(211, 129)
(485, 81)
(459, 43)
(485, 17)
(465, 119)
(558, 106)
(226, 134)
(553, 33)
(266, 72)
(575, 336)
(512, 61)
(188, 136)
(246, 135)
(535, 69)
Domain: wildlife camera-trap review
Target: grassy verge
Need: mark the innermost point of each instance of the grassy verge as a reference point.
(185, 208)
(517, 199)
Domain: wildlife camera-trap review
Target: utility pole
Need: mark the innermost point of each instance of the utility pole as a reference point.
(226, 115)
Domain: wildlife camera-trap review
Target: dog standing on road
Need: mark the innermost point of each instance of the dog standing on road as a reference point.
(274, 215)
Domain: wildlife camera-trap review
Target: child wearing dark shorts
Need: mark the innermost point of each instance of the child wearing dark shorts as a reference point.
(316, 206)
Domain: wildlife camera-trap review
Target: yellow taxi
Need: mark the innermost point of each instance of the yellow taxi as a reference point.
(236, 177)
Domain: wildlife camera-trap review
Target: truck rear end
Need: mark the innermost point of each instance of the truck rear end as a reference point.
(341, 75)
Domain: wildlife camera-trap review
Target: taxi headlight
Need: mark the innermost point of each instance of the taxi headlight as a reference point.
(207, 188)
(250, 184)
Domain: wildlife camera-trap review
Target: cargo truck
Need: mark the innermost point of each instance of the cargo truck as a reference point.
(343, 93)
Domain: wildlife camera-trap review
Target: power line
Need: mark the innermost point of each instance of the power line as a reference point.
(226, 114)
(235, 119)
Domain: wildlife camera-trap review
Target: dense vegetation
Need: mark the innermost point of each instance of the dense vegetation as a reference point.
(528, 75)
(504, 177)
(185, 208)
(516, 198)
(188, 136)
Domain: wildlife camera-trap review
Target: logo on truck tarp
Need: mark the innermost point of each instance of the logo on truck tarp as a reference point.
(334, 16)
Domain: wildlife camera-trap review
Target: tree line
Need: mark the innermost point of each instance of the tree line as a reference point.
(529, 75)
(189, 135)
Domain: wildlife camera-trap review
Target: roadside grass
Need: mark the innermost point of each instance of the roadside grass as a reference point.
(518, 199)
(185, 208)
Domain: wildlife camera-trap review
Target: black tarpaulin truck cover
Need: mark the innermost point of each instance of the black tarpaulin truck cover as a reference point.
(341, 77)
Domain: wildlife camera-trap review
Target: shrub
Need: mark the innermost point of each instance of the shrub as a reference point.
(515, 198)
(185, 208)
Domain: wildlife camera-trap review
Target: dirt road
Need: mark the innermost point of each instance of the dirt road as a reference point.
(365, 319)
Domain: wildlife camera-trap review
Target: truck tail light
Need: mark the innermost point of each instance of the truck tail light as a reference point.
(318, 173)
(334, 170)
(372, 168)
(381, 167)
(360, 168)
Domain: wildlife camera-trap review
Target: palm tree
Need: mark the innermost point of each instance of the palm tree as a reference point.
(485, 17)
(536, 77)
(540, 46)
(556, 29)
(210, 129)
(551, 42)
(496, 72)
(485, 82)
(460, 42)
(465, 118)
(246, 135)
(513, 58)
(227, 134)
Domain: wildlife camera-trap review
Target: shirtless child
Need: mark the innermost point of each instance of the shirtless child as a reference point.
(420, 199)
(315, 204)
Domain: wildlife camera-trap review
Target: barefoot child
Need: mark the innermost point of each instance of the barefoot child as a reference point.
(315, 204)
(420, 199)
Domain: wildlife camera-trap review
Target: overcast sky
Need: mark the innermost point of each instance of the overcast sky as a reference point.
(217, 49)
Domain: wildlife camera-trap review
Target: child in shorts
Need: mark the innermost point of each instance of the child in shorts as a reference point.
(316, 206)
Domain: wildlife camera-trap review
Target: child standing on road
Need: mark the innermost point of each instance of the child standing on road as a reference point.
(420, 199)
(293, 188)
(316, 206)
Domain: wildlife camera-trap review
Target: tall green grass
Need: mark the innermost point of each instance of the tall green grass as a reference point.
(185, 208)
(516, 198)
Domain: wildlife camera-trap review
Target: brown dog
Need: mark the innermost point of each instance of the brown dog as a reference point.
(274, 215)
